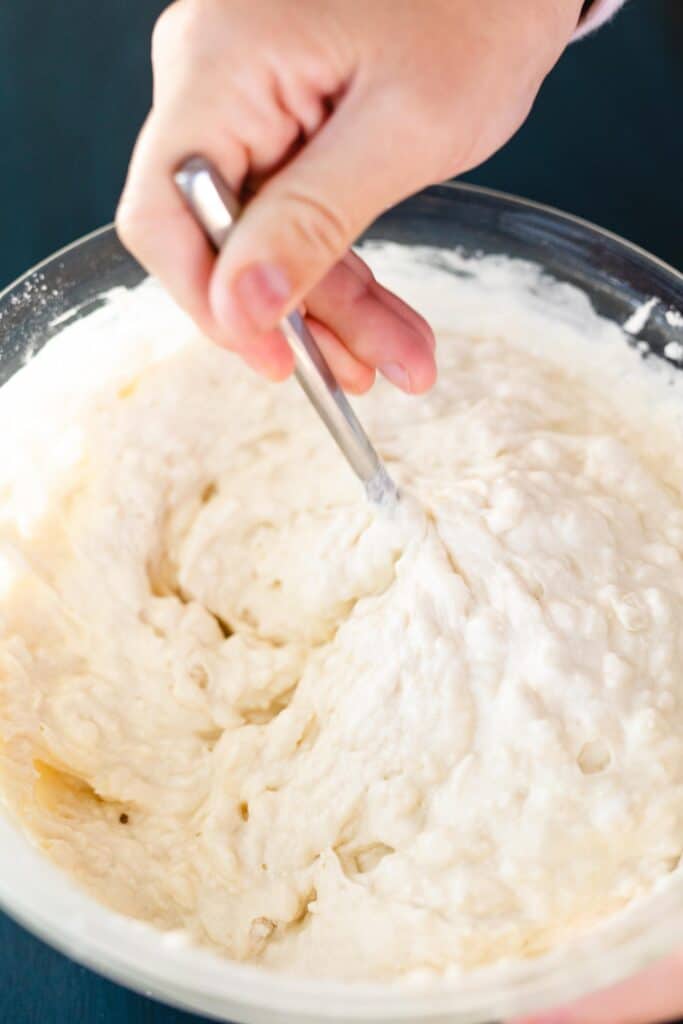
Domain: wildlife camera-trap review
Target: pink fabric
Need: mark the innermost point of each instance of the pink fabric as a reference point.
(600, 11)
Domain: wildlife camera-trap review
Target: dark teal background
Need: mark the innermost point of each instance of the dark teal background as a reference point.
(605, 141)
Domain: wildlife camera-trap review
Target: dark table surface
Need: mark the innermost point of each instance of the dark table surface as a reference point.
(603, 141)
(39, 986)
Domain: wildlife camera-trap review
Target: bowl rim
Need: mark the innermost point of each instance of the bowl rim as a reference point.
(494, 196)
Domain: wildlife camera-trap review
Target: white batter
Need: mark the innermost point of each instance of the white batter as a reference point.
(236, 701)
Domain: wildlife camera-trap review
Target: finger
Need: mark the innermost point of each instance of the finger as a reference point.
(406, 313)
(268, 354)
(246, 129)
(358, 265)
(206, 94)
(187, 116)
(352, 375)
(652, 997)
(154, 223)
(211, 55)
(401, 308)
(374, 333)
(305, 217)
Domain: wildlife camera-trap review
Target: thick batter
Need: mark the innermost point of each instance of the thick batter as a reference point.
(236, 701)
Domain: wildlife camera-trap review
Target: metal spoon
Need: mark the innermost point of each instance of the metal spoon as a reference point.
(216, 210)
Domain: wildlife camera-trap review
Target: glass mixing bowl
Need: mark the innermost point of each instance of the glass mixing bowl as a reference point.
(623, 283)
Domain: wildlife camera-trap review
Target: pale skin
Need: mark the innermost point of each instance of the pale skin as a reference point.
(328, 112)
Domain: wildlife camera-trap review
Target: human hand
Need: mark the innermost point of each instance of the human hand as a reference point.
(652, 997)
(335, 110)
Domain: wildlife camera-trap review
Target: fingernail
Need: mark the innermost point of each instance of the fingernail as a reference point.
(262, 291)
(397, 375)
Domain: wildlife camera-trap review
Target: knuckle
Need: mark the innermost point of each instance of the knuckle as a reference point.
(317, 224)
(127, 225)
(414, 144)
(165, 31)
(132, 226)
(186, 29)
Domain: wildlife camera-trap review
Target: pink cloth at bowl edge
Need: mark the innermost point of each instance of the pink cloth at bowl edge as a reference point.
(599, 12)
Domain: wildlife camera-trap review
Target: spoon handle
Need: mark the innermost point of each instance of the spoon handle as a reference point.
(216, 209)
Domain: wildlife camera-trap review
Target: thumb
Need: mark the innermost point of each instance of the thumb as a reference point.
(303, 220)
